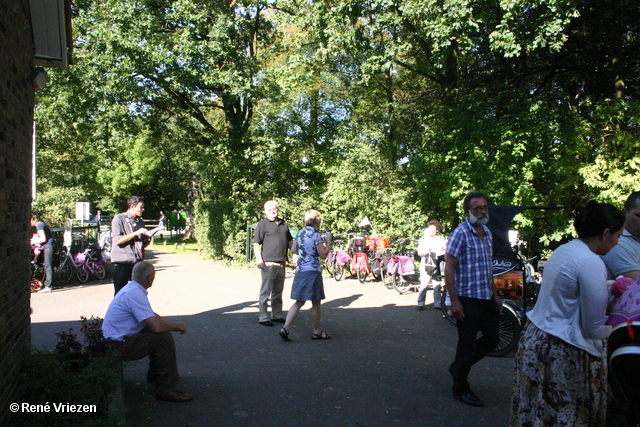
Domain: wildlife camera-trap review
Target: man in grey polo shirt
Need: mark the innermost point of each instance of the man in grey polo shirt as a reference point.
(129, 237)
(270, 245)
(624, 258)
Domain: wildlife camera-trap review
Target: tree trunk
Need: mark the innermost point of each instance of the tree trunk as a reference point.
(192, 196)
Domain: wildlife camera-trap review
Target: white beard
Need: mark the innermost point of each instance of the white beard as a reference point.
(474, 220)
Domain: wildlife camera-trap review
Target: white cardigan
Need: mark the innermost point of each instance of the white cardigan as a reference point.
(573, 298)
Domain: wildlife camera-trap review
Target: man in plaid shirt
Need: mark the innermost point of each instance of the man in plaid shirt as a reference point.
(474, 300)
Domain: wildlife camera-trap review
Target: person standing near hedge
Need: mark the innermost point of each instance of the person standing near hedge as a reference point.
(271, 242)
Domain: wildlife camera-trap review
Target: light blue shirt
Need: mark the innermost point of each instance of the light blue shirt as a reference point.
(623, 257)
(127, 312)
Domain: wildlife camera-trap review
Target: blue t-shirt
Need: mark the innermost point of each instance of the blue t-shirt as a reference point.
(307, 240)
(47, 232)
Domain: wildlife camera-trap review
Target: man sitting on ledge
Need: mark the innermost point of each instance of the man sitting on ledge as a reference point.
(138, 332)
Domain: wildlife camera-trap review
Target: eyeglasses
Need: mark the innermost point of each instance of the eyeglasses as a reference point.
(477, 209)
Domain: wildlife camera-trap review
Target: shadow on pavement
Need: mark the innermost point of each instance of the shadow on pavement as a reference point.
(383, 366)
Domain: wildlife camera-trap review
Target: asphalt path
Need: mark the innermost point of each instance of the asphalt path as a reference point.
(386, 364)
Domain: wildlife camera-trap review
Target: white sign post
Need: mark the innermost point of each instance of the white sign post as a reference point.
(82, 212)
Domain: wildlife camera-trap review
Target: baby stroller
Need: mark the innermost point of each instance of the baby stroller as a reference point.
(624, 366)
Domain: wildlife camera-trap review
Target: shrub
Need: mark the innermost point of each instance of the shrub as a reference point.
(75, 373)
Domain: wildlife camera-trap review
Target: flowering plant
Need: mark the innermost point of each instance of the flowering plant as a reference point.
(77, 353)
(92, 331)
(79, 371)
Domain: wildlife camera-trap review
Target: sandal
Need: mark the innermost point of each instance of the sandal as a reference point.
(284, 334)
(321, 336)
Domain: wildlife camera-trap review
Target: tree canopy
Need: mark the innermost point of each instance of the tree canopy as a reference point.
(393, 109)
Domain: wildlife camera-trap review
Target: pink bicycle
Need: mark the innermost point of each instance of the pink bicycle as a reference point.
(338, 261)
(89, 264)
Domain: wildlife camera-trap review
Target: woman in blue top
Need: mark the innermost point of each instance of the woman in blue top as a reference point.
(307, 284)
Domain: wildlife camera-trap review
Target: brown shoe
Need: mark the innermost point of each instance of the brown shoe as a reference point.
(174, 396)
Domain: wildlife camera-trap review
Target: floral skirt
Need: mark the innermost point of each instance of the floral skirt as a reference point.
(557, 384)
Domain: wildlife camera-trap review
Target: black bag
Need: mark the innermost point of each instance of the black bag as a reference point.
(431, 264)
(359, 245)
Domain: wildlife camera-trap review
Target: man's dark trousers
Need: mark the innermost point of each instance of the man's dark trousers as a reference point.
(161, 349)
(121, 276)
(479, 315)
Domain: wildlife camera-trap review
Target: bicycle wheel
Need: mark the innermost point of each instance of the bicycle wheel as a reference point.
(376, 268)
(509, 333)
(383, 276)
(362, 275)
(83, 273)
(446, 312)
(399, 282)
(63, 274)
(387, 279)
(338, 272)
(36, 285)
(326, 267)
(37, 273)
(99, 272)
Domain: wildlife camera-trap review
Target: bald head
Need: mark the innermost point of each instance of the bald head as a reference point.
(143, 273)
(271, 210)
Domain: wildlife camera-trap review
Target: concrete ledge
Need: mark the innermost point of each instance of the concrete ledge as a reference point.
(117, 410)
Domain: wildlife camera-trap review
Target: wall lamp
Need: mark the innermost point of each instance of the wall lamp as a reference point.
(39, 77)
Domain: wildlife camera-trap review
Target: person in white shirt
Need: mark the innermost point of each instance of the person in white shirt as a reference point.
(560, 374)
(431, 247)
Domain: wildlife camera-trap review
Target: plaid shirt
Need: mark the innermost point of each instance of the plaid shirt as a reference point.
(474, 272)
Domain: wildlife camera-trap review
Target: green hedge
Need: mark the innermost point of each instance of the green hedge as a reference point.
(219, 229)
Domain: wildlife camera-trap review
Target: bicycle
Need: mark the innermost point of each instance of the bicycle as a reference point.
(402, 268)
(508, 288)
(378, 256)
(37, 271)
(64, 267)
(338, 260)
(359, 258)
(89, 264)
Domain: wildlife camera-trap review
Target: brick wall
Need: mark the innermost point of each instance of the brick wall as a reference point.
(16, 124)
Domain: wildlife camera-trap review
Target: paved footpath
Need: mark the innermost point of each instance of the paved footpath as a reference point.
(385, 365)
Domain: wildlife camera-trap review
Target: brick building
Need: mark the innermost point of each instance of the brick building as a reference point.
(17, 96)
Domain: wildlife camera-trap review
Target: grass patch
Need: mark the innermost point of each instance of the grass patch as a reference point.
(176, 245)
(191, 248)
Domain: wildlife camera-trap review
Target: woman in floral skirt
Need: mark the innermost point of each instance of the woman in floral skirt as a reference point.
(561, 368)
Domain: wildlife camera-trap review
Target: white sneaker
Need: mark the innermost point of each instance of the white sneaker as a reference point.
(41, 291)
